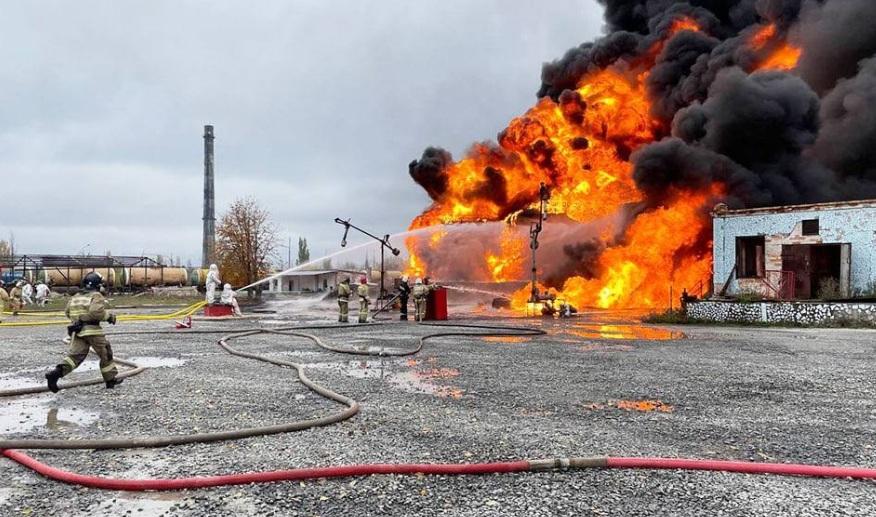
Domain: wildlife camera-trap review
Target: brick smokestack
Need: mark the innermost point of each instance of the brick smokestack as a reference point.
(209, 218)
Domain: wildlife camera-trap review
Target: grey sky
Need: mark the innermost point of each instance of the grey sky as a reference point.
(318, 108)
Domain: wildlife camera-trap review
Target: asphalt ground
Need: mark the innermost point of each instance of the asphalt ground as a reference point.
(592, 386)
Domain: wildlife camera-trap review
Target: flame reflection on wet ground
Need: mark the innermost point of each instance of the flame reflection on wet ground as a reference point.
(642, 406)
(631, 332)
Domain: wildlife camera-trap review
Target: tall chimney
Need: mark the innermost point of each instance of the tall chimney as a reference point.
(209, 200)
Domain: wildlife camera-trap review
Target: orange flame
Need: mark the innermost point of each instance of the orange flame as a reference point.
(778, 54)
(684, 23)
(507, 264)
(579, 146)
(785, 57)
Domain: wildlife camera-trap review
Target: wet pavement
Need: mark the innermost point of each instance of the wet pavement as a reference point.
(592, 385)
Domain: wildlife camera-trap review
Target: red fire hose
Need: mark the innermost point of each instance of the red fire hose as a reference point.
(445, 469)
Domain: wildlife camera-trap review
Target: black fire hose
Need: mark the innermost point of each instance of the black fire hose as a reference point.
(352, 407)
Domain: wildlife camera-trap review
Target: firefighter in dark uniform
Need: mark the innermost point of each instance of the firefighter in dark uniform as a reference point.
(86, 310)
(404, 291)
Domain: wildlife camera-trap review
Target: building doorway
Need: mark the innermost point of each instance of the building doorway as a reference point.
(820, 270)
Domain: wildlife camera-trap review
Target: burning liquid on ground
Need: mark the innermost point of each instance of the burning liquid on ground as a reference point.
(616, 247)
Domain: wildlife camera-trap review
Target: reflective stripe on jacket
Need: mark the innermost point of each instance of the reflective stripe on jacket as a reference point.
(89, 308)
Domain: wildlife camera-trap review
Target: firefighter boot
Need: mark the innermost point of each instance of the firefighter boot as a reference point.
(52, 377)
(112, 383)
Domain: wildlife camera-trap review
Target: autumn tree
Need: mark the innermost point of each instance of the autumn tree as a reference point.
(246, 241)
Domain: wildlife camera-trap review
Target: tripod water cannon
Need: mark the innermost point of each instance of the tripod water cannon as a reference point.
(384, 245)
(544, 195)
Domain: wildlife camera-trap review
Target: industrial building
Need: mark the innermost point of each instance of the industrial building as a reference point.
(316, 281)
(796, 252)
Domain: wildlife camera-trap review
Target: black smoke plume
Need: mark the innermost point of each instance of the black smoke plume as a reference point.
(766, 137)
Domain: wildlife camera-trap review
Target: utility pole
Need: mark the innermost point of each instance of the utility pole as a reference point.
(209, 218)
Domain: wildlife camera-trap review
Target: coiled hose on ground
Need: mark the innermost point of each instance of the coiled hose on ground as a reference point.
(352, 407)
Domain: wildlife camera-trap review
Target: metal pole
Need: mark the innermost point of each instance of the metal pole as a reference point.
(289, 252)
(382, 270)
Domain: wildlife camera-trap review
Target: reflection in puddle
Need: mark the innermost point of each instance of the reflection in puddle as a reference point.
(643, 406)
(420, 378)
(19, 416)
(623, 332)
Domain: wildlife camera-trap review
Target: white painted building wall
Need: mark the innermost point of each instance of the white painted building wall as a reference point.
(839, 223)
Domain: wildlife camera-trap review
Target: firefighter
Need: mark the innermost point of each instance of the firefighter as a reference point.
(362, 292)
(404, 291)
(43, 293)
(421, 292)
(229, 297)
(344, 293)
(212, 283)
(86, 310)
(4, 297)
(27, 293)
(15, 297)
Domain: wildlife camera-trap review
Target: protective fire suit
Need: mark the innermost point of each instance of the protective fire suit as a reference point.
(344, 293)
(27, 294)
(15, 299)
(229, 297)
(421, 292)
(89, 307)
(404, 291)
(362, 292)
(212, 283)
(42, 293)
(4, 299)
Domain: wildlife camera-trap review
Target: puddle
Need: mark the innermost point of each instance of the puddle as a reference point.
(20, 416)
(419, 378)
(642, 406)
(23, 378)
(623, 332)
(417, 382)
(157, 362)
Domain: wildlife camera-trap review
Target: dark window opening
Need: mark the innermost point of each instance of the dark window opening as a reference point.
(810, 227)
(750, 257)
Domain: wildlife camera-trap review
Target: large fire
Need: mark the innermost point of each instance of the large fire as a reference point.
(580, 147)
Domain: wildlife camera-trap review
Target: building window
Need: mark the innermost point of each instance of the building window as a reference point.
(750, 257)
(810, 226)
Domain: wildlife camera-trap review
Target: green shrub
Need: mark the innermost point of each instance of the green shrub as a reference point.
(829, 289)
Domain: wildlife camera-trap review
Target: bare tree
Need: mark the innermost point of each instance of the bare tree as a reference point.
(246, 242)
